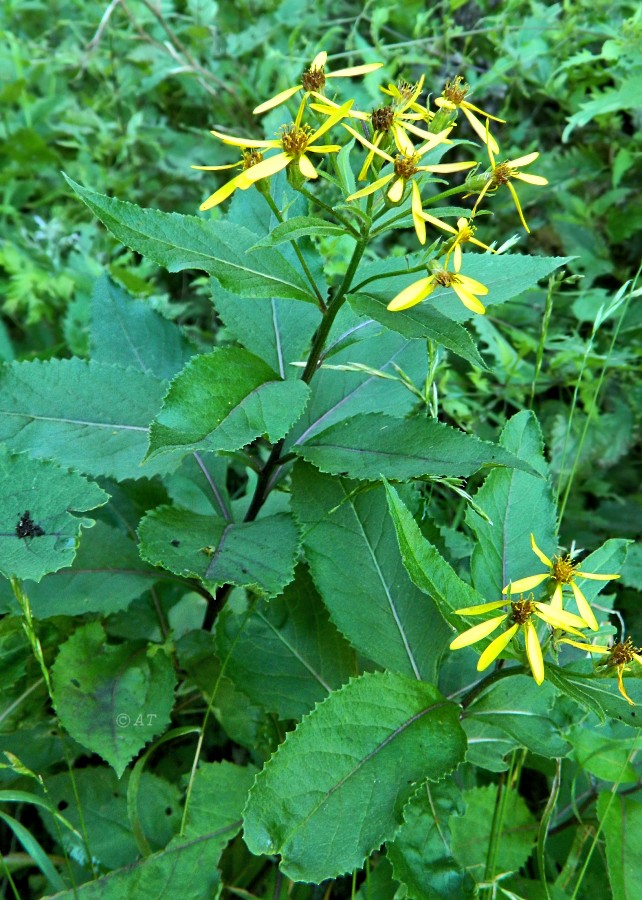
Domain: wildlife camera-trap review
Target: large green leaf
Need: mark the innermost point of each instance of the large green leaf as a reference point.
(223, 400)
(292, 638)
(179, 242)
(111, 698)
(356, 758)
(372, 445)
(90, 416)
(421, 854)
(128, 332)
(356, 565)
(260, 554)
(216, 802)
(421, 322)
(621, 820)
(39, 533)
(517, 504)
(599, 692)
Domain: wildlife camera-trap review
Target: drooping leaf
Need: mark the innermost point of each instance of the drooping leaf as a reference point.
(292, 638)
(38, 532)
(621, 820)
(261, 553)
(421, 855)
(373, 445)
(90, 416)
(223, 400)
(111, 698)
(128, 332)
(179, 242)
(598, 691)
(518, 505)
(357, 757)
(602, 756)
(355, 562)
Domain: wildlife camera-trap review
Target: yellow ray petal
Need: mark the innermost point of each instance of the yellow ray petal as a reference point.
(457, 257)
(417, 218)
(216, 168)
(469, 300)
(355, 70)
(523, 160)
(476, 633)
(306, 167)
(476, 287)
(486, 115)
(276, 100)
(412, 295)
(518, 206)
(495, 648)
(403, 142)
(243, 142)
(445, 104)
(590, 648)
(481, 132)
(480, 609)
(319, 60)
(396, 191)
(534, 652)
(267, 167)
(557, 599)
(584, 608)
(529, 179)
(620, 685)
(539, 553)
(221, 194)
(526, 584)
(331, 121)
(366, 143)
(371, 188)
(559, 618)
(434, 141)
(448, 167)
(596, 577)
(324, 148)
(435, 221)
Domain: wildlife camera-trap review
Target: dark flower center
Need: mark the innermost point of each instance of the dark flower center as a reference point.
(563, 569)
(313, 79)
(522, 611)
(251, 158)
(622, 653)
(295, 139)
(406, 166)
(382, 118)
(456, 90)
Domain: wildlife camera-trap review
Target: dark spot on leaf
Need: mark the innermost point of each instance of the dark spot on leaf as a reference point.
(75, 682)
(62, 805)
(175, 543)
(244, 570)
(27, 528)
(633, 715)
(168, 811)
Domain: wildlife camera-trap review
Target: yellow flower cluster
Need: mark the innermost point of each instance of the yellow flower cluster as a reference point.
(399, 134)
(561, 572)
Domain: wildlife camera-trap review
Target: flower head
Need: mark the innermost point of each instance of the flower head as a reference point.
(502, 173)
(463, 234)
(249, 158)
(562, 571)
(454, 97)
(466, 288)
(520, 615)
(313, 81)
(295, 141)
(619, 656)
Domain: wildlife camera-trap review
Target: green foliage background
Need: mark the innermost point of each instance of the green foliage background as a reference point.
(120, 97)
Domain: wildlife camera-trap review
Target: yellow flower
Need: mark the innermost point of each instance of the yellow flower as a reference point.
(502, 174)
(404, 167)
(562, 571)
(313, 81)
(249, 158)
(463, 234)
(462, 285)
(620, 655)
(520, 615)
(454, 97)
(295, 142)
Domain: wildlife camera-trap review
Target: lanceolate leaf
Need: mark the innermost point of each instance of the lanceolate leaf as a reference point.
(356, 565)
(261, 553)
(38, 533)
(358, 757)
(90, 416)
(224, 400)
(297, 227)
(111, 698)
(179, 242)
(373, 445)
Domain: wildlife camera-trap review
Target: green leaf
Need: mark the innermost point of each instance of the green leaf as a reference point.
(356, 758)
(223, 400)
(39, 533)
(472, 832)
(216, 802)
(421, 854)
(179, 242)
(421, 322)
(372, 445)
(621, 820)
(34, 850)
(356, 565)
(609, 558)
(602, 756)
(518, 504)
(90, 416)
(599, 692)
(297, 227)
(111, 698)
(106, 575)
(522, 708)
(426, 567)
(293, 639)
(260, 554)
(128, 332)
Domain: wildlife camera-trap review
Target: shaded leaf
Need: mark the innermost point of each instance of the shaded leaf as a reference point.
(621, 820)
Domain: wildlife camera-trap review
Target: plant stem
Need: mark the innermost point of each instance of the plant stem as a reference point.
(481, 686)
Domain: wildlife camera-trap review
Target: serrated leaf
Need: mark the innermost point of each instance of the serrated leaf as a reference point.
(518, 505)
(179, 242)
(356, 758)
(356, 565)
(39, 533)
(89, 416)
(223, 400)
(128, 332)
(297, 227)
(111, 698)
(260, 554)
(216, 802)
(621, 820)
(293, 639)
(421, 322)
(372, 445)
